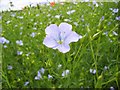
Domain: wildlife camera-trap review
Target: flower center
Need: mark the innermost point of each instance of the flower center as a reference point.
(60, 41)
(61, 38)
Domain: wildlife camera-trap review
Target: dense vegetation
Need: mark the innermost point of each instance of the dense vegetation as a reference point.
(92, 62)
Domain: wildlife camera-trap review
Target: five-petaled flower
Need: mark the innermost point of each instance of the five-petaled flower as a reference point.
(59, 37)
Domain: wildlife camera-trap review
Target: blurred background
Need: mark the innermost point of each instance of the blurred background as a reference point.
(19, 4)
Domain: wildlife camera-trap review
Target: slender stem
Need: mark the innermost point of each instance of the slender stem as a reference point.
(79, 48)
(91, 47)
(6, 80)
(63, 59)
(93, 55)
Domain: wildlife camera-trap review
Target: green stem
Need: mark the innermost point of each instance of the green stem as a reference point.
(93, 55)
(91, 47)
(6, 80)
(79, 48)
(63, 59)
(109, 81)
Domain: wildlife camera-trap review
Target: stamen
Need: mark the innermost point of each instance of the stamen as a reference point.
(60, 41)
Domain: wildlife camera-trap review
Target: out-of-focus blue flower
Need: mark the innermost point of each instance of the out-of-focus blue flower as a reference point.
(42, 70)
(35, 23)
(21, 28)
(16, 25)
(33, 34)
(93, 71)
(19, 42)
(20, 33)
(110, 8)
(41, 23)
(48, 15)
(118, 18)
(75, 23)
(5, 46)
(109, 23)
(112, 88)
(49, 76)
(13, 14)
(57, 16)
(39, 76)
(70, 12)
(26, 83)
(4, 40)
(28, 54)
(8, 22)
(95, 3)
(9, 67)
(59, 66)
(115, 10)
(67, 20)
(34, 28)
(115, 33)
(106, 67)
(102, 18)
(20, 17)
(37, 15)
(60, 37)
(82, 18)
(86, 0)
(19, 52)
(65, 73)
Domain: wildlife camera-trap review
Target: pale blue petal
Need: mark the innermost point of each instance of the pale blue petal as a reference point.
(65, 27)
(50, 42)
(72, 37)
(64, 48)
(52, 29)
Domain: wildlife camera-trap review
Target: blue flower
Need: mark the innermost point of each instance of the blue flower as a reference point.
(49, 76)
(103, 17)
(5, 46)
(42, 70)
(19, 42)
(4, 40)
(106, 67)
(65, 73)
(59, 37)
(39, 76)
(115, 10)
(19, 52)
(95, 3)
(26, 83)
(70, 12)
(118, 18)
(8, 22)
(112, 88)
(93, 71)
(33, 34)
(10, 67)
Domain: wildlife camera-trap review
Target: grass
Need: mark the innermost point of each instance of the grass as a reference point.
(96, 50)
